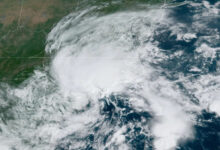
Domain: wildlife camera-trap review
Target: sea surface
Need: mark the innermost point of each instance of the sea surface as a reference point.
(122, 76)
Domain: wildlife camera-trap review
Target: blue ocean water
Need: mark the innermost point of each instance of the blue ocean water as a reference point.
(124, 75)
(116, 109)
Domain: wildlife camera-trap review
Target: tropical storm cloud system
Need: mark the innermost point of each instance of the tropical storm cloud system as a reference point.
(116, 75)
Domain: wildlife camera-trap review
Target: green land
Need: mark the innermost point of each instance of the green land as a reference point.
(24, 25)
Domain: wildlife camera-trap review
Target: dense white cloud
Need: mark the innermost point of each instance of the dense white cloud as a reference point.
(95, 56)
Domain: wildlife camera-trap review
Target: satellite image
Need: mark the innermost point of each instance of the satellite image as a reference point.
(109, 75)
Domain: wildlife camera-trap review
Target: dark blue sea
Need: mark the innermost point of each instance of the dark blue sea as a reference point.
(124, 75)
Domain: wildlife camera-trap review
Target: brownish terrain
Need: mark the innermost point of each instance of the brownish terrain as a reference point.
(24, 25)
